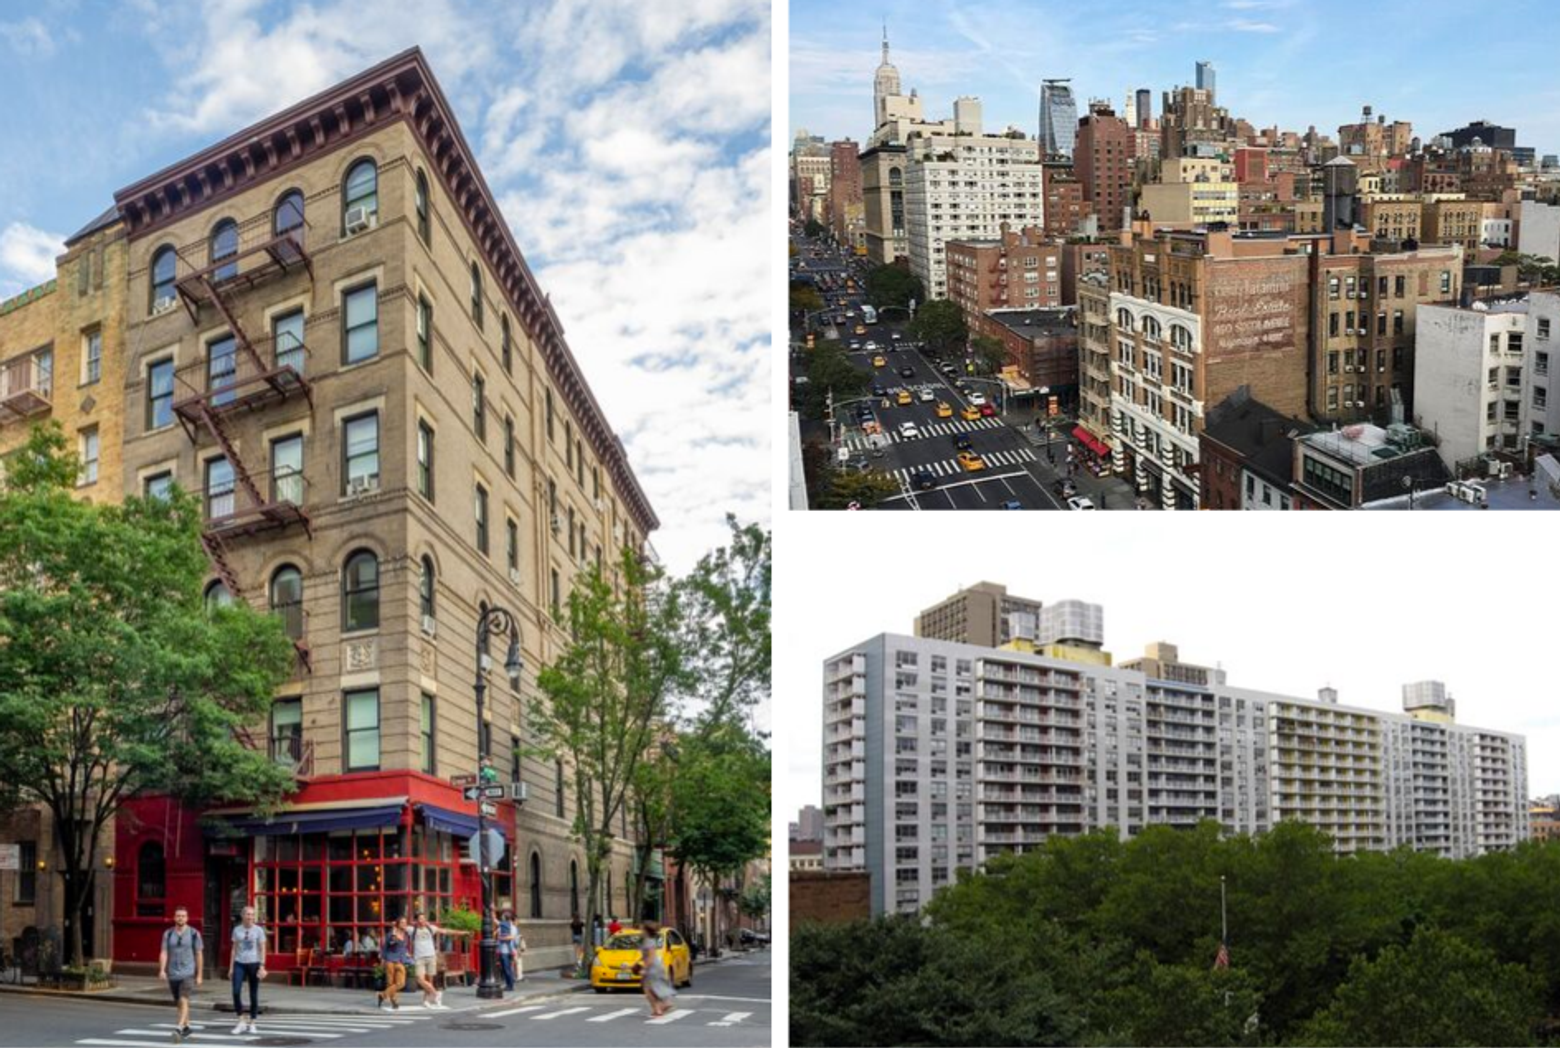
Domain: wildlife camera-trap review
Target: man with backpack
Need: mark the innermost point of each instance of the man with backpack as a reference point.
(182, 962)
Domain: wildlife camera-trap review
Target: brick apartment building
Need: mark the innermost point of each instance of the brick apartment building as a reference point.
(1018, 270)
(1066, 205)
(327, 330)
(1103, 163)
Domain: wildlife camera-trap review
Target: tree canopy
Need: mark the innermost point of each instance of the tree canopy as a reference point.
(940, 324)
(893, 286)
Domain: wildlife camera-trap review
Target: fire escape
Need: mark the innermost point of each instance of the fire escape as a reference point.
(241, 376)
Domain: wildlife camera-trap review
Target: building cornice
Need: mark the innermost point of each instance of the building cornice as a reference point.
(401, 88)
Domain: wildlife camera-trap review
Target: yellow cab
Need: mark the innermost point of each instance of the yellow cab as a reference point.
(944, 410)
(970, 414)
(971, 461)
(904, 397)
(619, 962)
(861, 329)
(879, 361)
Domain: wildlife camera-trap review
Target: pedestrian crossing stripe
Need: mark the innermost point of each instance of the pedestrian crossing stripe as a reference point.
(857, 441)
(951, 467)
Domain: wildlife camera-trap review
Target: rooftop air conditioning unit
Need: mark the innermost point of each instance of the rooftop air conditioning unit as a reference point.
(429, 626)
(359, 218)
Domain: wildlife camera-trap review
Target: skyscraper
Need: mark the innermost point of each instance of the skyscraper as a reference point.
(1205, 74)
(1145, 107)
(1058, 119)
(885, 84)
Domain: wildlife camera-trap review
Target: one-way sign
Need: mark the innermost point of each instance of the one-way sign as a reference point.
(496, 793)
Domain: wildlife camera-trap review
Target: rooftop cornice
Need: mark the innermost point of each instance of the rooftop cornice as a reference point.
(401, 88)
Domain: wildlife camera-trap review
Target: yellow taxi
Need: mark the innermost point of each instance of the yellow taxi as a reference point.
(861, 329)
(971, 462)
(619, 963)
(904, 397)
(878, 361)
(944, 410)
(970, 414)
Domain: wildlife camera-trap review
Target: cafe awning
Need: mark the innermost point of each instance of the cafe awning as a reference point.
(457, 824)
(362, 815)
(1090, 441)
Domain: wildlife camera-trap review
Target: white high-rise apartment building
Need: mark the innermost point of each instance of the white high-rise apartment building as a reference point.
(965, 186)
(939, 755)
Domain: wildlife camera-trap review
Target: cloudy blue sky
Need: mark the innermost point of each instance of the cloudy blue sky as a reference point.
(628, 144)
(1436, 63)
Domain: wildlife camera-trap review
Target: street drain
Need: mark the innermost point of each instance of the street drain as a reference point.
(470, 1027)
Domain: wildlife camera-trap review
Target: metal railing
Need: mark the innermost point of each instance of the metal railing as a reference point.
(26, 385)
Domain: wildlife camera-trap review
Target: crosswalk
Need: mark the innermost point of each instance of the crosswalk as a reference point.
(950, 467)
(323, 1029)
(641, 1014)
(855, 439)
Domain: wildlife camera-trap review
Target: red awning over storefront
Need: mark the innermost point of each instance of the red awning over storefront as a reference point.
(1090, 441)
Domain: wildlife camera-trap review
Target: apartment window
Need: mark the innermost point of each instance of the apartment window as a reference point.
(552, 501)
(568, 444)
(1332, 287)
(558, 787)
(224, 245)
(571, 531)
(287, 219)
(1446, 281)
(426, 733)
(164, 266)
(217, 596)
(595, 482)
(1381, 288)
(1541, 363)
(1540, 398)
(1332, 325)
(1543, 327)
(509, 445)
(1381, 323)
(579, 463)
(92, 357)
(421, 203)
(482, 519)
(287, 469)
(222, 369)
(425, 589)
(360, 324)
(361, 727)
(89, 456)
(157, 485)
(287, 335)
(360, 592)
(425, 333)
(476, 294)
(361, 190)
(1397, 321)
(219, 488)
(512, 544)
(287, 731)
(556, 595)
(286, 597)
(1332, 362)
(506, 351)
(360, 451)
(548, 399)
(1400, 283)
(425, 460)
(479, 405)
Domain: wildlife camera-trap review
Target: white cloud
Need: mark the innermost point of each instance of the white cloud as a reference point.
(28, 37)
(1241, 25)
(27, 257)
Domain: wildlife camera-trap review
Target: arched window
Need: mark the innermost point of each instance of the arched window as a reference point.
(1124, 319)
(506, 351)
(151, 874)
(1180, 337)
(361, 189)
(218, 596)
(476, 293)
(224, 245)
(425, 585)
(422, 206)
(287, 599)
(895, 177)
(164, 266)
(287, 219)
(360, 592)
(536, 885)
(574, 887)
(1151, 327)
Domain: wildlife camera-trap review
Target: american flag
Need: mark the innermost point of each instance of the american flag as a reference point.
(1223, 958)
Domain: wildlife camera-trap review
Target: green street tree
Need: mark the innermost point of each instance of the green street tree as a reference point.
(990, 354)
(755, 899)
(940, 324)
(893, 286)
(606, 696)
(828, 369)
(804, 298)
(727, 604)
(866, 489)
(114, 678)
(1436, 990)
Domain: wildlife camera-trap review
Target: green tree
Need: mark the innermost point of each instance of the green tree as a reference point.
(1176, 1004)
(828, 370)
(867, 488)
(607, 694)
(727, 604)
(755, 898)
(940, 324)
(114, 679)
(893, 286)
(1437, 990)
(804, 298)
(814, 229)
(990, 353)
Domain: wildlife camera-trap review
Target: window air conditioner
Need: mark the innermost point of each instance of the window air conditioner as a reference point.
(519, 792)
(362, 485)
(1348, 367)
(359, 219)
(601, 505)
(429, 626)
(557, 523)
(514, 576)
(162, 305)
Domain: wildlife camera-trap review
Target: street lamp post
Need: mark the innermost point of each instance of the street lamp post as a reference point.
(494, 622)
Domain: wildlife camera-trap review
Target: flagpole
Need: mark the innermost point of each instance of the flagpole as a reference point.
(1224, 915)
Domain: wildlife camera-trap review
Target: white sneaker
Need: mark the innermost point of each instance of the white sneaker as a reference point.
(438, 999)
(252, 1027)
(240, 1027)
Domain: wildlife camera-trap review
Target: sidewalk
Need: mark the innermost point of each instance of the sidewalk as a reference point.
(278, 998)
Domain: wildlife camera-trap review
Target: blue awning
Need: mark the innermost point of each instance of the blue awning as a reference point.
(285, 823)
(455, 823)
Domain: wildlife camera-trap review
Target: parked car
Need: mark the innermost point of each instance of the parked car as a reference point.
(1079, 502)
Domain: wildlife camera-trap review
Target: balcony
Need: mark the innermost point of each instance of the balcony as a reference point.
(241, 381)
(292, 752)
(259, 254)
(233, 512)
(26, 386)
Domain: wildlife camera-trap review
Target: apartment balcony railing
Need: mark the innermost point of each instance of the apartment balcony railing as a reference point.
(232, 512)
(26, 386)
(258, 253)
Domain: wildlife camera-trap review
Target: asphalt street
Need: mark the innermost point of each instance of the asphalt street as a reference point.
(727, 1007)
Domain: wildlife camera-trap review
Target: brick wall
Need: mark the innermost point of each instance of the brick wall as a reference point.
(830, 898)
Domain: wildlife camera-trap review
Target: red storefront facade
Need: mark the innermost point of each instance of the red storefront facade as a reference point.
(344, 856)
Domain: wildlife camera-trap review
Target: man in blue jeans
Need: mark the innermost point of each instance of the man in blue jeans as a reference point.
(183, 964)
(247, 965)
(506, 948)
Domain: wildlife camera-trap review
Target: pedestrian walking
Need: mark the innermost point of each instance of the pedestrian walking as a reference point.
(425, 958)
(182, 962)
(506, 948)
(597, 932)
(397, 954)
(654, 979)
(577, 933)
(246, 964)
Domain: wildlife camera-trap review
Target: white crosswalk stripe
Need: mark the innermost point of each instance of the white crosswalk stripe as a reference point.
(613, 1015)
(732, 1019)
(557, 1014)
(670, 1017)
(513, 1011)
(313, 1027)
